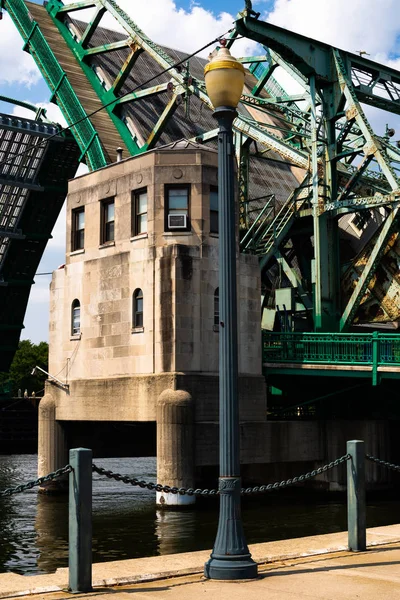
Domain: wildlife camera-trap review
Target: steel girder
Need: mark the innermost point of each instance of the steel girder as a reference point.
(338, 82)
(322, 132)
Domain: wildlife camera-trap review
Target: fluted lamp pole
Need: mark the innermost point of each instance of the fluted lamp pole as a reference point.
(230, 558)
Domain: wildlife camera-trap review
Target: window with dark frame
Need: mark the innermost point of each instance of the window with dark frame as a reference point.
(177, 203)
(360, 220)
(76, 318)
(78, 229)
(214, 210)
(216, 308)
(139, 212)
(107, 221)
(137, 309)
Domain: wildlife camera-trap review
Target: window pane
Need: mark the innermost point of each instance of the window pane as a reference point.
(142, 203)
(110, 211)
(139, 320)
(214, 200)
(213, 221)
(80, 240)
(110, 232)
(177, 202)
(76, 320)
(81, 220)
(178, 198)
(139, 305)
(142, 223)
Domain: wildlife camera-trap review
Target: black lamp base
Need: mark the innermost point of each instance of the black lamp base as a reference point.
(231, 568)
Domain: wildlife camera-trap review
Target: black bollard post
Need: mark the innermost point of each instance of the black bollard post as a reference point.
(356, 509)
(80, 520)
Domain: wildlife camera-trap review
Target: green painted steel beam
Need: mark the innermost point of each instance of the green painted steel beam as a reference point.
(106, 96)
(104, 49)
(362, 203)
(157, 130)
(263, 79)
(57, 81)
(361, 287)
(307, 55)
(146, 93)
(91, 28)
(245, 60)
(295, 281)
(126, 68)
(77, 6)
(283, 370)
(373, 145)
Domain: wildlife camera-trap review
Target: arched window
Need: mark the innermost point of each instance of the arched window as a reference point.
(76, 318)
(137, 317)
(216, 308)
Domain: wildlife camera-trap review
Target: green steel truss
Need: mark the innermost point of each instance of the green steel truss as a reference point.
(322, 132)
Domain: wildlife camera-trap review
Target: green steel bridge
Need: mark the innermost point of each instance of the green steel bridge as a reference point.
(319, 189)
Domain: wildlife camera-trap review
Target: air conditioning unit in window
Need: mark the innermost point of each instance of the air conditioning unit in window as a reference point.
(176, 221)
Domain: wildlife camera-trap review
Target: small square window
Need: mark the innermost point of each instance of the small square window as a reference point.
(359, 221)
(177, 208)
(107, 221)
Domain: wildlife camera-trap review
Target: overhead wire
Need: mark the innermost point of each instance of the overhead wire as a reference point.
(115, 100)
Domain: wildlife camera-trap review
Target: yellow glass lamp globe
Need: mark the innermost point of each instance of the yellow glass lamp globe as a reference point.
(224, 78)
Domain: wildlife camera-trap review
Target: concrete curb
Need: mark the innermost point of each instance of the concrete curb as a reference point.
(179, 565)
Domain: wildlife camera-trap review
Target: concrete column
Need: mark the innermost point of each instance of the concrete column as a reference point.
(52, 447)
(175, 446)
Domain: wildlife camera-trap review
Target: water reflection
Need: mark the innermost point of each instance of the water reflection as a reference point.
(127, 523)
(175, 531)
(51, 526)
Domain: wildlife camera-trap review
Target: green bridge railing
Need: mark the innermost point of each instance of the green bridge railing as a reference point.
(369, 349)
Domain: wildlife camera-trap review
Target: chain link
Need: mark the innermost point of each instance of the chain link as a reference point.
(28, 486)
(206, 492)
(383, 463)
(293, 480)
(153, 486)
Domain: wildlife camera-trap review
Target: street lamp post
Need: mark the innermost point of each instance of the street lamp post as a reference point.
(230, 558)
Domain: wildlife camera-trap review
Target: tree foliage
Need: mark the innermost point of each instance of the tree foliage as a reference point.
(27, 357)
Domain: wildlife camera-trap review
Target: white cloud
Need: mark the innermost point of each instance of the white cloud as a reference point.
(16, 66)
(168, 25)
(53, 113)
(354, 26)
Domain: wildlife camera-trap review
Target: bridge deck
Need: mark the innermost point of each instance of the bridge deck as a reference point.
(102, 122)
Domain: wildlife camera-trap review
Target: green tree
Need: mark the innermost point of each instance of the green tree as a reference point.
(27, 357)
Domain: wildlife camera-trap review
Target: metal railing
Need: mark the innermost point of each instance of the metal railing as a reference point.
(376, 349)
(80, 471)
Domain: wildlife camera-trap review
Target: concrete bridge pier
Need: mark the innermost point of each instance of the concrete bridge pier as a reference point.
(52, 446)
(175, 446)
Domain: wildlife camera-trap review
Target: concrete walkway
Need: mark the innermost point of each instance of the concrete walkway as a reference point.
(317, 567)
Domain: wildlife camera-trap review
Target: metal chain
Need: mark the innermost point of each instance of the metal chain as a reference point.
(299, 479)
(383, 463)
(153, 486)
(28, 486)
(199, 492)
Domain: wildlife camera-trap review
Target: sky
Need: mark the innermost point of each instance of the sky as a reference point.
(358, 25)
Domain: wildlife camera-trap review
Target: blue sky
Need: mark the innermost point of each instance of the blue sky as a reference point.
(188, 25)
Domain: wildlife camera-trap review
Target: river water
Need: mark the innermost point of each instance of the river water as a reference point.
(127, 524)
